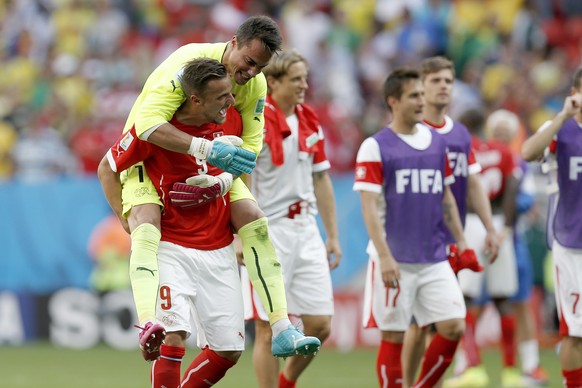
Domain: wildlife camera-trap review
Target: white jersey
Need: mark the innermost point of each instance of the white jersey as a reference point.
(278, 188)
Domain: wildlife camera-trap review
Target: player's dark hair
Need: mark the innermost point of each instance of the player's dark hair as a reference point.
(280, 63)
(474, 120)
(394, 84)
(263, 28)
(435, 64)
(198, 72)
(577, 80)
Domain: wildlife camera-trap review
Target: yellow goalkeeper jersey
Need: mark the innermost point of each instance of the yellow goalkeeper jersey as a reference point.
(162, 95)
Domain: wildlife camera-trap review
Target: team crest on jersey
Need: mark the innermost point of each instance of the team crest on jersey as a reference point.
(217, 134)
(260, 106)
(126, 142)
(360, 172)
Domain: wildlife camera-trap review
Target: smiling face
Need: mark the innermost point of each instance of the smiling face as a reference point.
(215, 100)
(438, 87)
(246, 61)
(289, 89)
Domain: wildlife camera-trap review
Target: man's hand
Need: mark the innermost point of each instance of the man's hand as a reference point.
(492, 246)
(572, 105)
(390, 271)
(334, 252)
(225, 153)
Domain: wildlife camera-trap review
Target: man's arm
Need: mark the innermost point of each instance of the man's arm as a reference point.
(388, 265)
(533, 148)
(326, 205)
(479, 202)
(111, 186)
(452, 218)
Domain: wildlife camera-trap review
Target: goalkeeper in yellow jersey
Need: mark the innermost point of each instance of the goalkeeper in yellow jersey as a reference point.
(244, 56)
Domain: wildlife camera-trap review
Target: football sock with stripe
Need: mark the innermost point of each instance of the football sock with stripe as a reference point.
(389, 365)
(206, 370)
(143, 270)
(264, 268)
(166, 370)
(437, 358)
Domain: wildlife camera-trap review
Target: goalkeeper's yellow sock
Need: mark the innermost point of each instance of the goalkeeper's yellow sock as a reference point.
(143, 270)
(264, 268)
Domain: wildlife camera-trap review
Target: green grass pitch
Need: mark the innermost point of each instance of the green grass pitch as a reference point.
(42, 365)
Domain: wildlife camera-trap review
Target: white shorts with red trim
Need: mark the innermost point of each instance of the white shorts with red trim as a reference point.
(303, 257)
(430, 292)
(201, 288)
(568, 287)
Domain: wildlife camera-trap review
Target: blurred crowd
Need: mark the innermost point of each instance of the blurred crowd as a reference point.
(71, 69)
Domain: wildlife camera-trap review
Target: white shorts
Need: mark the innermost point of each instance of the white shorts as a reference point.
(305, 268)
(568, 281)
(500, 277)
(202, 287)
(430, 292)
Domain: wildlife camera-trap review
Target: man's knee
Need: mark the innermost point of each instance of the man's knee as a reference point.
(231, 356)
(176, 338)
(452, 329)
(148, 213)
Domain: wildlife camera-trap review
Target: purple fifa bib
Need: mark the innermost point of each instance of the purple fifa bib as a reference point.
(413, 190)
(568, 218)
(458, 141)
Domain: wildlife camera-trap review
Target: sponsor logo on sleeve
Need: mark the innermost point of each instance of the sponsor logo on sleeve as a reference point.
(126, 142)
(260, 106)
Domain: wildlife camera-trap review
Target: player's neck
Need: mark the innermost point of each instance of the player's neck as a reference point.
(434, 115)
(403, 128)
(190, 118)
(286, 108)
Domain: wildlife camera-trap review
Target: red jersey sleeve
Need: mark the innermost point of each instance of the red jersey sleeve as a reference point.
(127, 151)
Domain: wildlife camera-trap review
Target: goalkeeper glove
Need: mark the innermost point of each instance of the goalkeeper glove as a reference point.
(225, 153)
(200, 189)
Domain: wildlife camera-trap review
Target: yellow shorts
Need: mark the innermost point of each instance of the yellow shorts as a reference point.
(138, 189)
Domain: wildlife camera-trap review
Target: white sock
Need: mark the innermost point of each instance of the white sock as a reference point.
(460, 361)
(280, 325)
(529, 354)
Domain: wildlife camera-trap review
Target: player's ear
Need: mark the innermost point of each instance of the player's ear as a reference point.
(195, 99)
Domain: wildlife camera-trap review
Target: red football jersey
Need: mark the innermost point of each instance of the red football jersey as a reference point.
(205, 227)
(497, 163)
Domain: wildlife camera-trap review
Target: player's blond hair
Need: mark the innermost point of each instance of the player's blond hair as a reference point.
(280, 63)
(435, 64)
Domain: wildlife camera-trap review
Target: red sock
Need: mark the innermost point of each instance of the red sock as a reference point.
(572, 378)
(284, 383)
(206, 369)
(508, 340)
(388, 365)
(166, 370)
(437, 358)
(469, 342)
